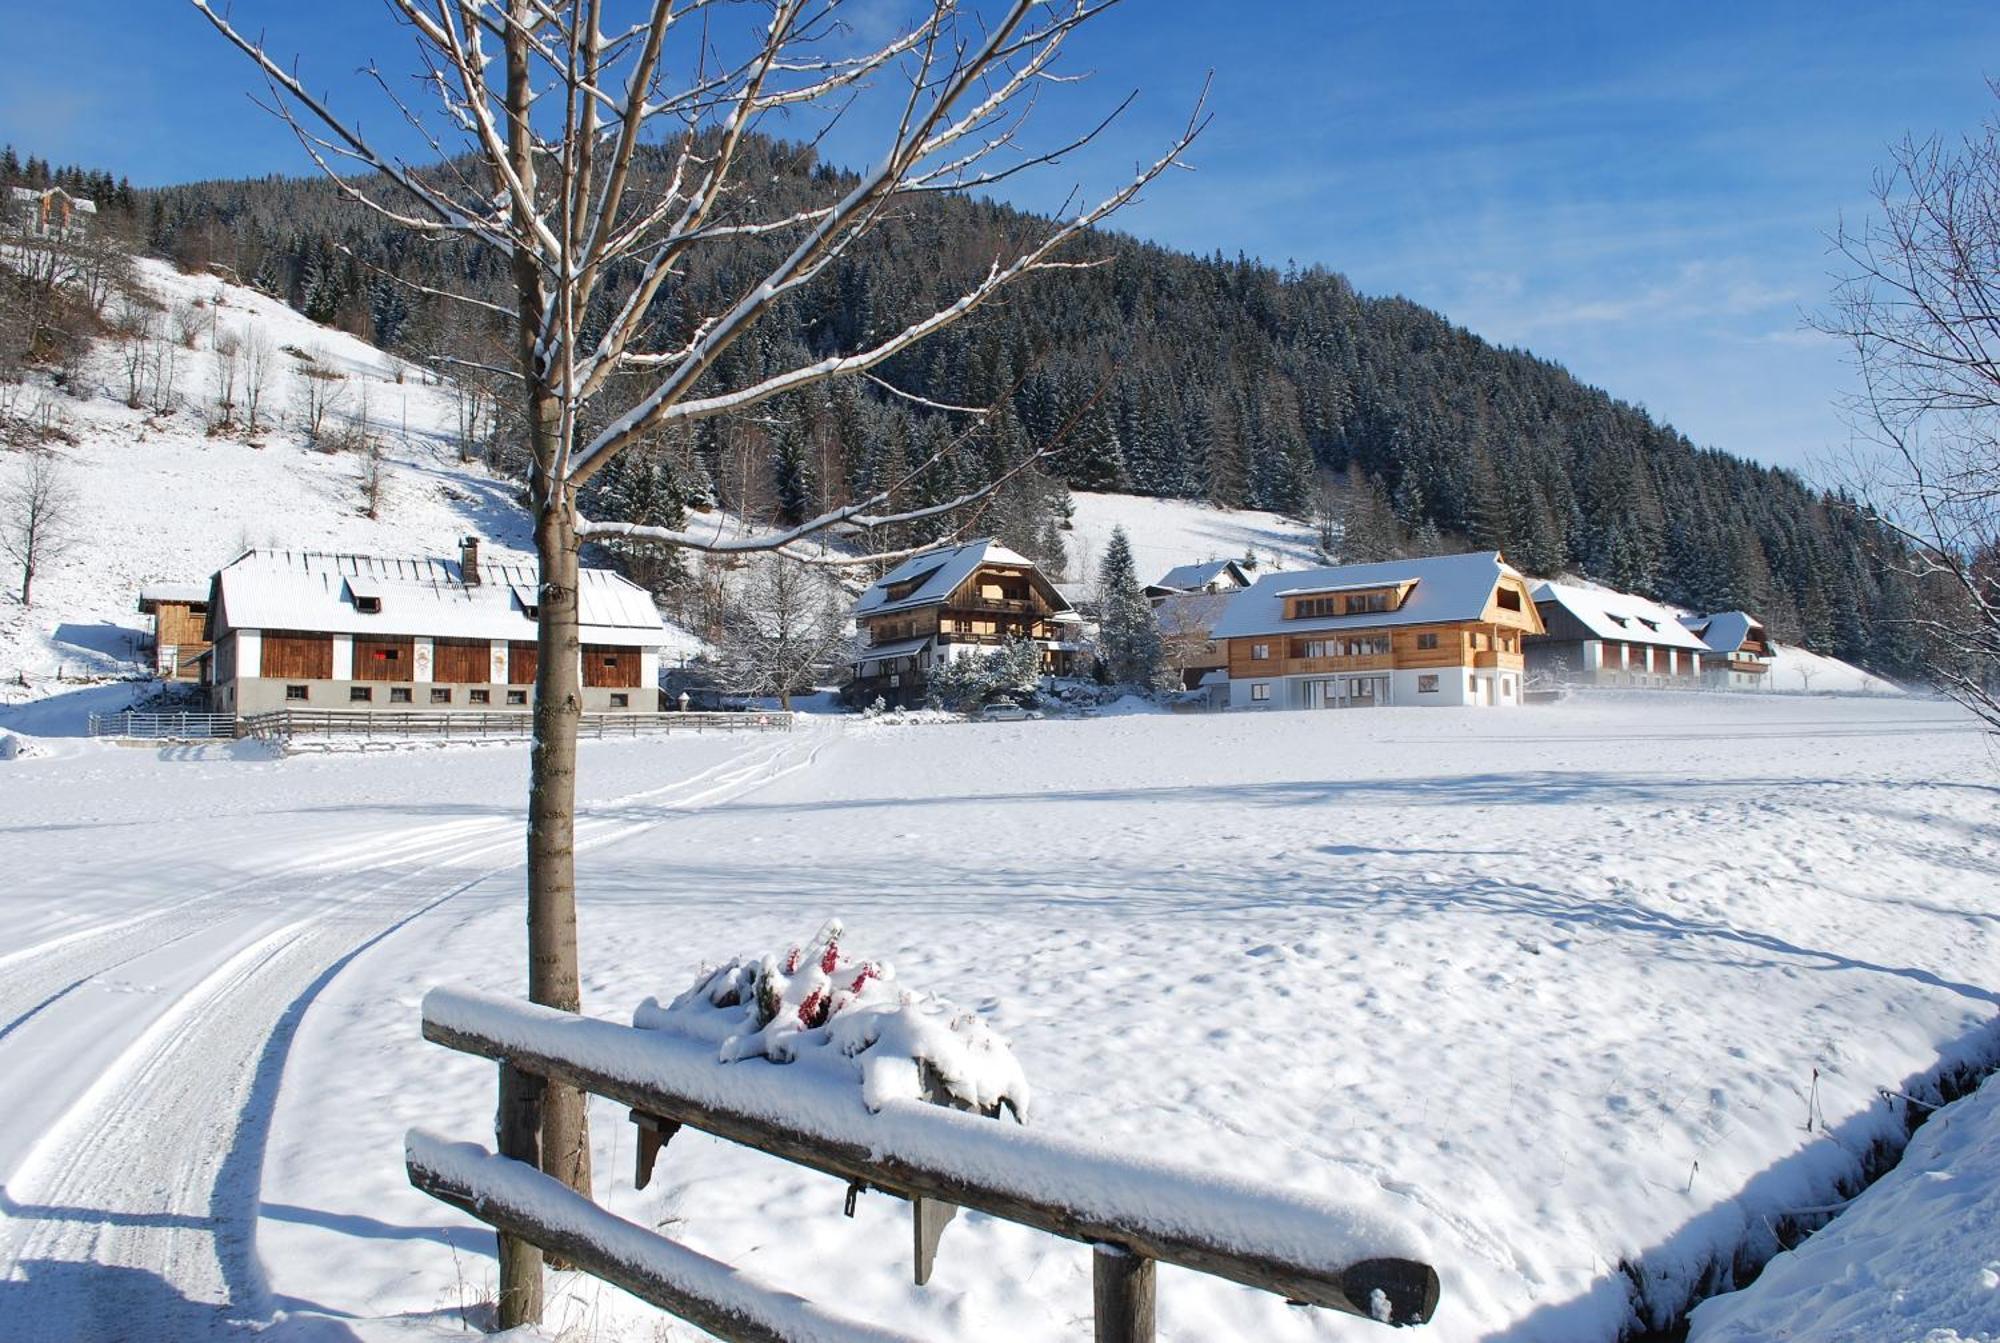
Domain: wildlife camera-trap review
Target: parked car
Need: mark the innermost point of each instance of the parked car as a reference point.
(1003, 711)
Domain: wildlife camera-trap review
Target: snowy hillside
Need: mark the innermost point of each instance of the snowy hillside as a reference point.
(160, 499)
(1169, 532)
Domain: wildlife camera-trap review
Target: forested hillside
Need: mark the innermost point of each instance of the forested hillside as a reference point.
(1159, 373)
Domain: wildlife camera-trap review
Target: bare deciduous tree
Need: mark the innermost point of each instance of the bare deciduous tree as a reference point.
(37, 517)
(784, 631)
(316, 395)
(547, 105)
(226, 369)
(256, 373)
(1920, 305)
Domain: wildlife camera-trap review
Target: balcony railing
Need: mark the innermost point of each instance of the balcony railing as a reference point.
(1363, 662)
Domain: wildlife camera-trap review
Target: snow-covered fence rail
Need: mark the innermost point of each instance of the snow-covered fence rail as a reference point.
(163, 726)
(282, 724)
(1134, 1210)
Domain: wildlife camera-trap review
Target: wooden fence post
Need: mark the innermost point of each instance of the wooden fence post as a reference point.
(1122, 1295)
(518, 1130)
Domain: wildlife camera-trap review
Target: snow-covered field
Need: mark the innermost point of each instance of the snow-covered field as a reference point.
(1169, 532)
(1548, 987)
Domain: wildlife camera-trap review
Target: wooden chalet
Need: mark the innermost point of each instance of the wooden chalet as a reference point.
(1598, 637)
(180, 628)
(1739, 650)
(1446, 630)
(949, 603)
(359, 633)
(50, 213)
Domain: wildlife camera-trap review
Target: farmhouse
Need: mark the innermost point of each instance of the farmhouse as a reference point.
(357, 633)
(1210, 576)
(180, 628)
(1444, 630)
(53, 213)
(1739, 651)
(1599, 637)
(950, 603)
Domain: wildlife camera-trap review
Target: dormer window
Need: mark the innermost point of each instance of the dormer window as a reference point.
(368, 606)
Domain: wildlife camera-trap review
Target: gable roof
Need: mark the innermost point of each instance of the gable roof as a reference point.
(315, 592)
(1724, 631)
(1443, 588)
(186, 594)
(937, 574)
(1620, 616)
(1188, 577)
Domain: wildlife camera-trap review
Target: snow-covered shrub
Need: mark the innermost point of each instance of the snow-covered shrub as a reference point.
(1014, 670)
(815, 1004)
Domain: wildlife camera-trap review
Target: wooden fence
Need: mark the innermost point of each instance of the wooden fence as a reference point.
(164, 726)
(1133, 1211)
(283, 724)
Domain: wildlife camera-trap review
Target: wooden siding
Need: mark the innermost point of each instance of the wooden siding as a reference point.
(291, 656)
(522, 659)
(461, 661)
(1464, 644)
(612, 668)
(1523, 615)
(181, 624)
(383, 659)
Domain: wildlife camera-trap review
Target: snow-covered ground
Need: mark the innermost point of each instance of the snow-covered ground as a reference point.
(1547, 987)
(1169, 532)
(1916, 1256)
(158, 499)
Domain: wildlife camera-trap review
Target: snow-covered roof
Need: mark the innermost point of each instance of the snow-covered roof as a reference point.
(1724, 631)
(1621, 616)
(1444, 588)
(83, 203)
(885, 652)
(306, 590)
(153, 594)
(937, 574)
(1188, 577)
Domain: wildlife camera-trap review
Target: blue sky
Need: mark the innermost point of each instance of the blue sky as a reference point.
(1641, 193)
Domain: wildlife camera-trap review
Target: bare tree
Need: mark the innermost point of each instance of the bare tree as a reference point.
(37, 517)
(1187, 625)
(786, 630)
(1920, 305)
(567, 197)
(228, 366)
(316, 395)
(256, 373)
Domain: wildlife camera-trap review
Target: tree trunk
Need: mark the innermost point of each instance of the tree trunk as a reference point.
(27, 585)
(553, 980)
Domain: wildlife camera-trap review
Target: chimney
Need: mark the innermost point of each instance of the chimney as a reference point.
(468, 561)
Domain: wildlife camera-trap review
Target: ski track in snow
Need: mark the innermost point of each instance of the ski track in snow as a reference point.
(134, 1214)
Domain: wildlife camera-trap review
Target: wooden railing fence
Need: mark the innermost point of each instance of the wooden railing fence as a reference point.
(1133, 1211)
(163, 726)
(285, 723)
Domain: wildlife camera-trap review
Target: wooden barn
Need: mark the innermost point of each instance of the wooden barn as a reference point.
(180, 628)
(358, 633)
(951, 602)
(1440, 631)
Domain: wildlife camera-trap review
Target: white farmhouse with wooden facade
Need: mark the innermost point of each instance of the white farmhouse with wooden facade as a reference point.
(358, 633)
(1599, 637)
(1739, 653)
(954, 602)
(1446, 630)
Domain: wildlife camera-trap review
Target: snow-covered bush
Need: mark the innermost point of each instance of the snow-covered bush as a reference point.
(1014, 670)
(814, 1004)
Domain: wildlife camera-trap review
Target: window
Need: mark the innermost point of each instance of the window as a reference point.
(517, 697)
(440, 695)
(360, 694)
(1428, 641)
(294, 692)
(479, 696)
(399, 694)
(368, 606)
(1427, 685)
(1260, 652)
(1360, 602)
(1260, 693)
(621, 701)
(1510, 600)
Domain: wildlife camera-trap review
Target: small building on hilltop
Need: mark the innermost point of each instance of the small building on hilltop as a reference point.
(954, 602)
(1598, 637)
(180, 628)
(360, 633)
(1445, 630)
(1210, 576)
(1739, 650)
(52, 213)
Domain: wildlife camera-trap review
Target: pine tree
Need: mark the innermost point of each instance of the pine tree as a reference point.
(1128, 636)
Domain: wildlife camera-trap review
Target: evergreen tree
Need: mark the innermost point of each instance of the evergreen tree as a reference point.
(1128, 637)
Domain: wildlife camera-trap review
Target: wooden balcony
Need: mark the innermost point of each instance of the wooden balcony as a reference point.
(1322, 666)
(1492, 659)
(998, 605)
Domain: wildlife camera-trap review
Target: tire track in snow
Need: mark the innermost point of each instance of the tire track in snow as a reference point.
(135, 1215)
